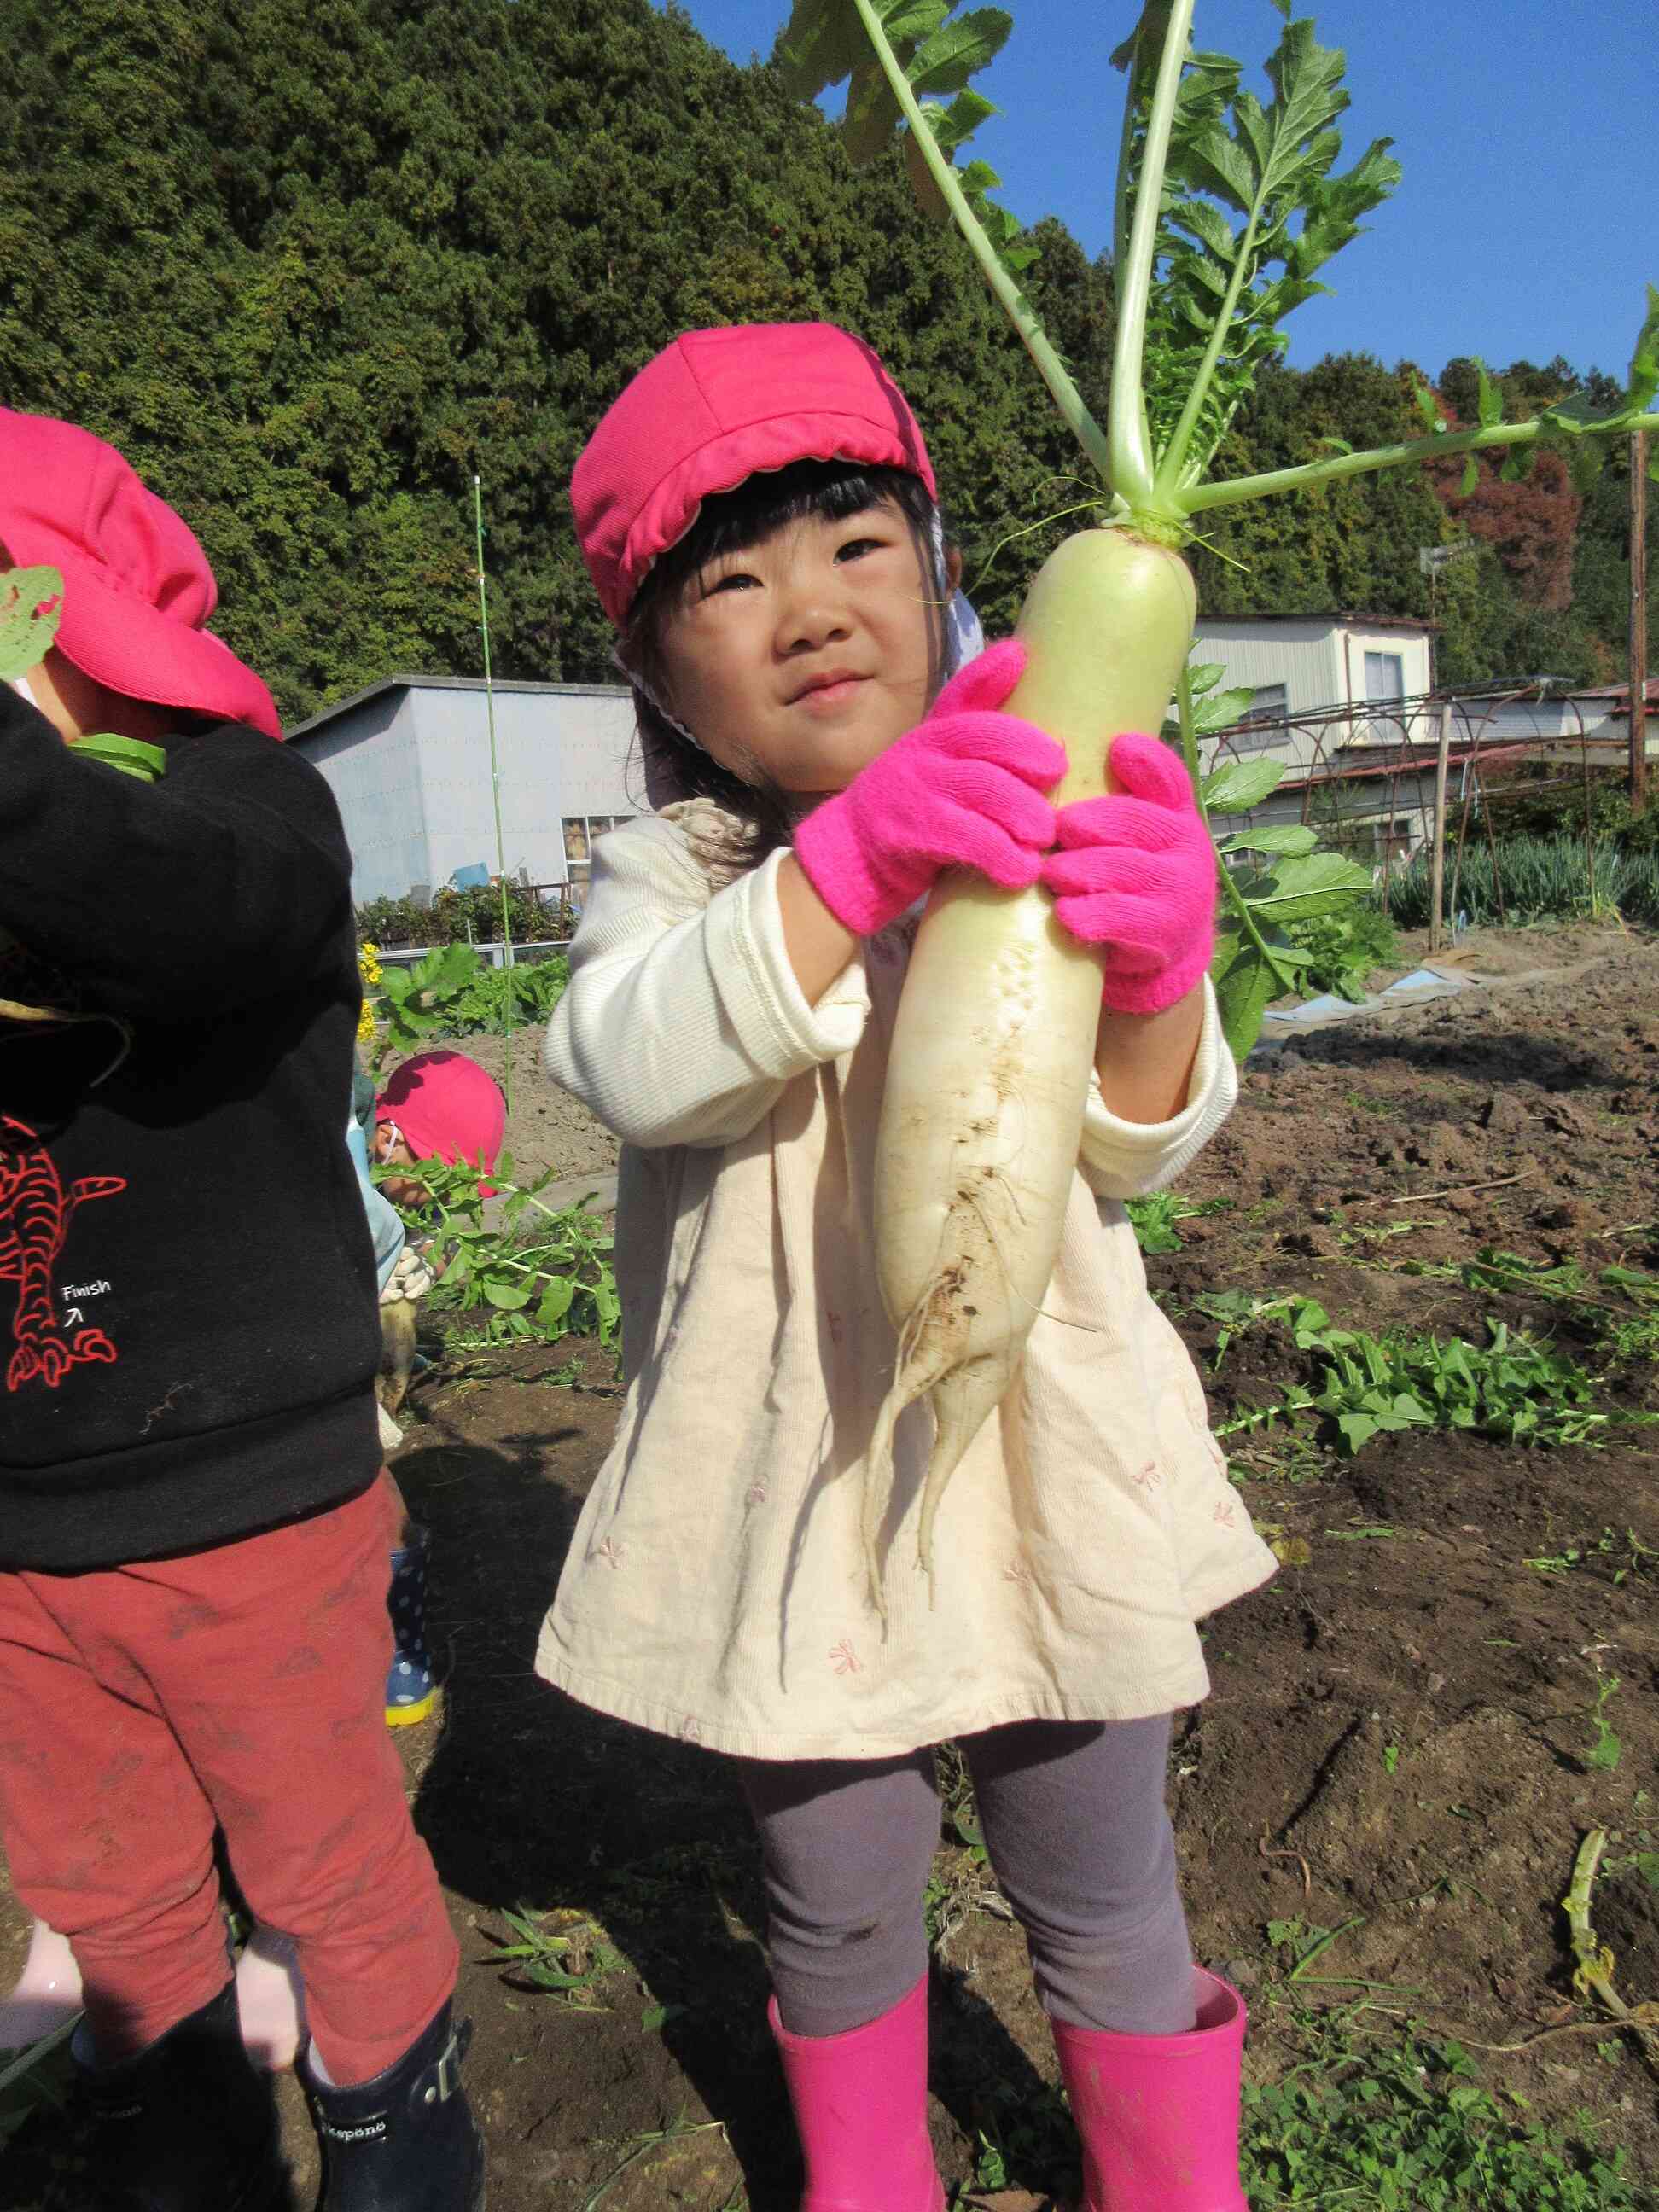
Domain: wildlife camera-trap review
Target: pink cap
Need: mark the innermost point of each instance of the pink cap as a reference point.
(447, 1107)
(711, 409)
(138, 589)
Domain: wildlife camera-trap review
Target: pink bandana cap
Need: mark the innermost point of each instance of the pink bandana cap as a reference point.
(713, 408)
(446, 1107)
(138, 589)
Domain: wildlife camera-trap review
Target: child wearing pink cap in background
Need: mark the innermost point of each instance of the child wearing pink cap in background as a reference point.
(443, 1106)
(193, 1538)
(435, 1106)
(757, 513)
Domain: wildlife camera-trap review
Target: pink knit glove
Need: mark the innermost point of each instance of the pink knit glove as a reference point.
(964, 789)
(1136, 876)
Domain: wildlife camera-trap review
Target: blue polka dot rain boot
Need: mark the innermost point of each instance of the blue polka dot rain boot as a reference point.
(412, 1692)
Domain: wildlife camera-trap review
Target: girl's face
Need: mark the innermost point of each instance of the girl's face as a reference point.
(392, 1150)
(800, 658)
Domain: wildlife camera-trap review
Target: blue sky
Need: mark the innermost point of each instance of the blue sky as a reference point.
(1528, 222)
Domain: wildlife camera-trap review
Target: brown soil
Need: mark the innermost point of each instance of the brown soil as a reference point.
(1398, 1743)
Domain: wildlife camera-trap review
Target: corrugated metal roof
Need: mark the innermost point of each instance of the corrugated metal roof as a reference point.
(1324, 615)
(449, 684)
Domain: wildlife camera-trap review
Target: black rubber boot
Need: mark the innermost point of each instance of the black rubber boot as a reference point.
(189, 2124)
(405, 2141)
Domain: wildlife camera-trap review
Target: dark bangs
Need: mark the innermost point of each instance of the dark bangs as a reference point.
(732, 522)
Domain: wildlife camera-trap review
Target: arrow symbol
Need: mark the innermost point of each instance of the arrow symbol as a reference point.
(73, 1313)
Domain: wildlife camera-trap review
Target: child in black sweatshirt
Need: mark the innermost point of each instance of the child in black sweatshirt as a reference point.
(193, 1544)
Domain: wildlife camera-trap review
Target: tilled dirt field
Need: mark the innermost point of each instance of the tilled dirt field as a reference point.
(1399, 1745)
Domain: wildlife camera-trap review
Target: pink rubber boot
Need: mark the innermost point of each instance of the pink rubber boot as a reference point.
(1158, 2114)
(860, 2106)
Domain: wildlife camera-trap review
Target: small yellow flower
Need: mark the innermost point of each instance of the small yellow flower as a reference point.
(368, 963)
(365, 1024)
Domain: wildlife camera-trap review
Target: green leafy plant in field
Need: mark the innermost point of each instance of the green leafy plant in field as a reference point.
(1606, 1750)
(453, 992)
(531, 988)
(1225, 210)
(1239, 1311)
(536, 1273)
(571, 1966)
(1625, 1323)
(1154, 1219)
(1537, 880)
(1510, 1388)
(1406, 2124)
(1343, 949)
(1617, 1554)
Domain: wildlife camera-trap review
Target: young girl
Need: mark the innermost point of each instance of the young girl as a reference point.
(757, 513)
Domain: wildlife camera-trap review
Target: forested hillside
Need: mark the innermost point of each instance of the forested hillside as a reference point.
(313, 268)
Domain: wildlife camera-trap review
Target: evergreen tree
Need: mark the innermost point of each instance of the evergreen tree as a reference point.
(311, 270)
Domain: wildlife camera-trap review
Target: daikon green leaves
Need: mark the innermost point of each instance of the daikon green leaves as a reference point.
(938, 52)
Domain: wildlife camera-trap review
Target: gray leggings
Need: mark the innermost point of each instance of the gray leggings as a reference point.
(1075, 1824)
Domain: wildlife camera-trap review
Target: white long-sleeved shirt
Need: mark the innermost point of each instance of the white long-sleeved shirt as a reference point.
(715, 1587)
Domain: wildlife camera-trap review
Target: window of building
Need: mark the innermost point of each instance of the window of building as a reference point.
(1271, 704)
(1385, 678)
(1261, 726)
(580, 831)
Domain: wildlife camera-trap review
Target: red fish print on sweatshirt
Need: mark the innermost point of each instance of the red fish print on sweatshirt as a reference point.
(36, 1211)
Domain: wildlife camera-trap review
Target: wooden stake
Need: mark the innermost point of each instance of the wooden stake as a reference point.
(1437, 865)
(1638, 620)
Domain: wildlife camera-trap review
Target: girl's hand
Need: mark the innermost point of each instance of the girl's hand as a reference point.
(964, 789)
(1135, 877)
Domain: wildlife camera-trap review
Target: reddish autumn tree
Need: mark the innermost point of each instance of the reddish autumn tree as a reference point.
(1530, 522)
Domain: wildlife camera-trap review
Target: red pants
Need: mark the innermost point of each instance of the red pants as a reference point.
(244, 1688)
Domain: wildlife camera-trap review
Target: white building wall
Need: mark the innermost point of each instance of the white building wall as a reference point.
(410, 766)
(1524, 718)
(599, 768)
(1321, 663)
(1299, 654)
(1354, 640)
(453, 730)
(370, 757)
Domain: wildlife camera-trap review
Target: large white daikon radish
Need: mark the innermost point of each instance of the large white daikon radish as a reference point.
(996, 1032)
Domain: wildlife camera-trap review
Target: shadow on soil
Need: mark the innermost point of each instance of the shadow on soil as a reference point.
(1491, 1056)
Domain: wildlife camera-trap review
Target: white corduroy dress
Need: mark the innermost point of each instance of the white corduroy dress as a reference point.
(715, 1587)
